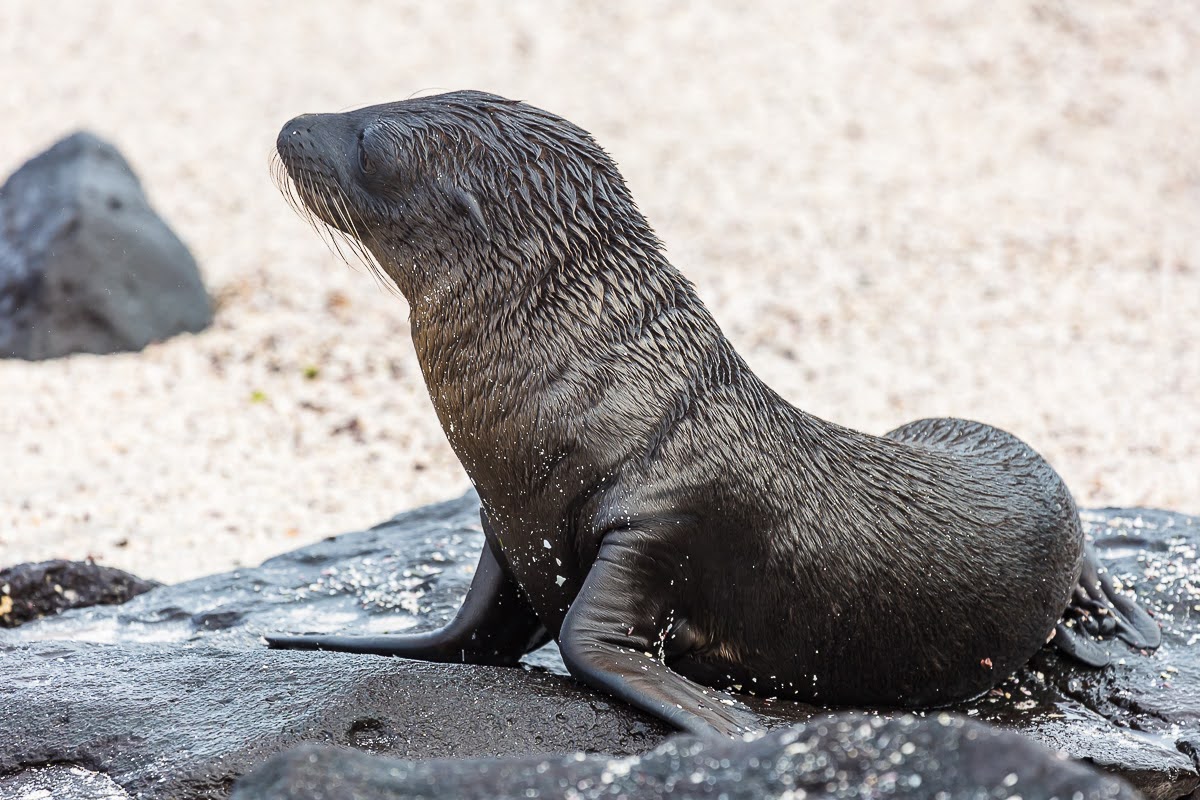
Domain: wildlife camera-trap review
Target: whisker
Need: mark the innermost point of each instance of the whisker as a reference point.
(359, 247)
(328, 234)
(316, 203)
(337, 210)
(422, 92)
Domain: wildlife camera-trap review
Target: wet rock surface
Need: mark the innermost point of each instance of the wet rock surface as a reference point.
(184, 722)
(86, 265)
(942, 756)
(174, 695)
(33, 591)
(1139, 717)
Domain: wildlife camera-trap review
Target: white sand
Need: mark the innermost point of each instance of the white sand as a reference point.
(989, 210)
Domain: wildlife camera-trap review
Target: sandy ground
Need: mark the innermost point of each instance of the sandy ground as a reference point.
(979, 209)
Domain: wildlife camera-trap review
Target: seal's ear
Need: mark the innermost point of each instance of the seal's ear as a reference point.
(465, 203)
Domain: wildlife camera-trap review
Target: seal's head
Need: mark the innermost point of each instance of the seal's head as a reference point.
(436, 188)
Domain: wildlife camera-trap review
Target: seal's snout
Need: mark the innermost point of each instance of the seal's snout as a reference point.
(295, 131)
(331, 135)
(299, 126)
(315, 167)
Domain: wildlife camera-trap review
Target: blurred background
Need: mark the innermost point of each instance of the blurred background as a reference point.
(895, 210)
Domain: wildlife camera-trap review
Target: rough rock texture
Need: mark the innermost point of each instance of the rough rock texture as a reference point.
(173, 694)
(33, 591)
(52, 782)
(86, 266)
(178, 722)
(834, 758)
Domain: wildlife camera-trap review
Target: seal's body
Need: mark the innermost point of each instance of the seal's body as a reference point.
(649, 502)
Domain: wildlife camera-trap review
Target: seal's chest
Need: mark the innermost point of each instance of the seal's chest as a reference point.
(547, 571)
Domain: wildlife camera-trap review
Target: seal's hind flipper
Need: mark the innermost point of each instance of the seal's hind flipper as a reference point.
(1079, 645)
(1113, 612)
(1098, 610)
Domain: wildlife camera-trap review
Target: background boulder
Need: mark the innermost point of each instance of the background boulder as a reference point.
(86, 265)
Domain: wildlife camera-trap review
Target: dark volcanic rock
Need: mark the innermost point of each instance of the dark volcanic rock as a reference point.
(86, 266)
(1151, 703)
(174, 695)
(33, 591)
(411, 571)
(185, 721)
(843, 757)
(53, 782)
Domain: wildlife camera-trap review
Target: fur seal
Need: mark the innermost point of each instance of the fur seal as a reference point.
(678, 527)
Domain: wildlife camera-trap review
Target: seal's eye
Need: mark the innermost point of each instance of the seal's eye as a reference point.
(364, 161)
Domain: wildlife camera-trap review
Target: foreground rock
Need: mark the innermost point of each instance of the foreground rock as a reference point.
(173, 694)
(86, 266)
(185, 721)
(33, 591)
(829, 758)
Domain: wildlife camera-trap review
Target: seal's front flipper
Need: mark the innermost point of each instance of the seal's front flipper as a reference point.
(494, 626)
(615, 624)
(1098, 610)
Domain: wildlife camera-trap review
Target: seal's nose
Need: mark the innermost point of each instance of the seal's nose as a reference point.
(330, 137)
(296, 127)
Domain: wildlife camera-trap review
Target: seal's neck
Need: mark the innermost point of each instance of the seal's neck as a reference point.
(574, 343)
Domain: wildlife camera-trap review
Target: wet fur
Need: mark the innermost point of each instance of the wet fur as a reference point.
(593, 399)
